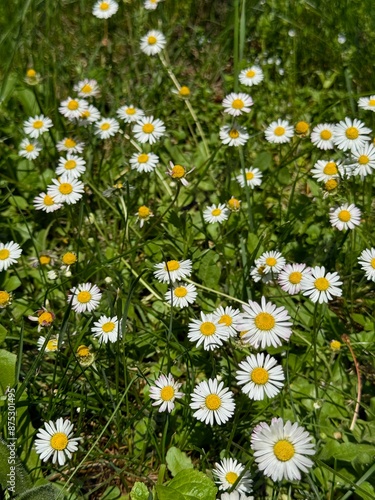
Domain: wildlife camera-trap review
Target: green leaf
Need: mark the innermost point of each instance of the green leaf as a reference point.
(209, 272)
(3, 334)
(348, 452)
(11, 470)
(263, 161)
(45, 492)
(7, 370)
(12, 283)
(188, 485)
(177, 461)
(139, 491)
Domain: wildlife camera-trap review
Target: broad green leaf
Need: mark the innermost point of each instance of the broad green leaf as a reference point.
(139, 491)
(348, 452)
(45, 492)
(165, 493)
(3, 334)
(263, 161)
(10, 464)
(177, 461)
(188, 485)
(209, 272)
(7, 370)
(12, 283)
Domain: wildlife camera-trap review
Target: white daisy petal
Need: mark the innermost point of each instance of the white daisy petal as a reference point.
(260, 376)
(56, 440)
(107, 329)
(173, 270)
(321, 287)
(213, 402)
(84, 297)
(226, 474)
(345, 217)
(279, 132)
(367, 263)
(165, 392)
(9, 254)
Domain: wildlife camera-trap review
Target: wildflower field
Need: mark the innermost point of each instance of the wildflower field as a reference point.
(187, 253)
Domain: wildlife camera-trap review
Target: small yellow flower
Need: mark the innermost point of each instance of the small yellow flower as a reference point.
(143, 214)
(5, 298)
(302, 128)
(335, 345)
(32, 77)
(233, 204)
(84, 355)
(69, 258)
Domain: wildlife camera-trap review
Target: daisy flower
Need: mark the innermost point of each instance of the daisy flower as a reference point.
(106, 127)
(290, 277)
(153, 43)
(265, 324)
(302, 128)
(45, 318)
(32, 77)
(71, 145)
(56, 441)
(216, 213)
(260, 376)
(84, 297)
(179, 172)
(350, 134)
(173, 270)
(257, 273)
(367, 263)
(73, 108)
(87, 88)
(151, 4)
(235, 495)
(253, 177)
(9, 254)
(345, 217)
(321, 287)
(367, 103)
(227, 472)
(272, 262)
(251, 76)
(183, 92)
(233, 136)
(363, 160)
(228, 317)
(90, 115)
(143, 215)
(236, 104)
(5, 299)
(148, 130)
(164, 392)
(280, 449)
(52, 344)
(36, 126)
(322, 136)
(103, 9)
(324, 170)
(214, 402)
(279, 132)
(68, 259)
(233, 204)
(130, 114)
(144, 162)
(29, 149)
(181, 295)
(107, 329)
(66, 190)
(335, 345)
(46, 203)
(73, 166)
(208, 331)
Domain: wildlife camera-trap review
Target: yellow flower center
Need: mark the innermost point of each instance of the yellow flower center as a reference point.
(279, 131)
(143, 158)
(234, 134)
(271, 261)
(363, 160)
(207, 328)
(29, 148)
(104, 6)
(65, 188)
(264, 321)
(38, 124)
(321, 284)
(249, 176)
(143, 212)
(295, 277)
(251, 73)
(283, 450)
(231, 477)
(259, 376)
(69, 258)
(85, 114)
(148, 128)
(234, 204)
(151, 40)
(59, 441)
(178, 171)
(213, 402)
(302, 127)
(44, 260)
(216, 212)
(331, 185)
(226, 320)
(70, 164)
(184, 91)
(69, 143)
(330, 168)
(31, 73)
(105, 126)
(167, 393)
(108, 327)
(4, 297)
(373, 263)
(371, 102)
(325, 135)
(172, 265)
(243, 333)
(48, 200)
(352, 133)
(84, 297)
(86, 89)
(238, 104)
(180, 291)
(344, 215)
(73, 105)
(83, 351)
(45, 317)
(130, 111)
(4, 254)
(335, 345)
(51, 345)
